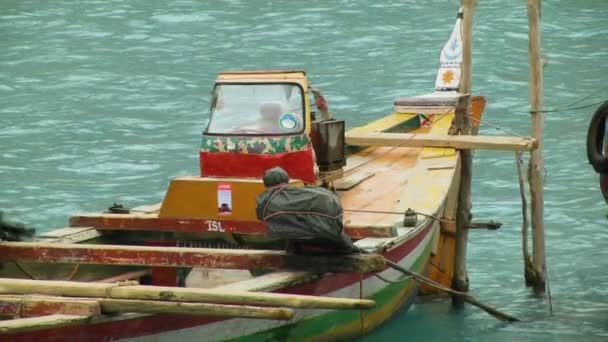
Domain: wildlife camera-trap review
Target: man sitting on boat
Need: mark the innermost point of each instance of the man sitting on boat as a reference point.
(309, 217)
(276, 119)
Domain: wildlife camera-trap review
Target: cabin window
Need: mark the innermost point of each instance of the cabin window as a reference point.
(256, 109)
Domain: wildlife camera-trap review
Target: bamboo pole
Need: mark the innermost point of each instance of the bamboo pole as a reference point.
(38, 323)
(201, 309)
(31, 306)
(536, 159)
(460, 281)
(176, 294)
(44, 305)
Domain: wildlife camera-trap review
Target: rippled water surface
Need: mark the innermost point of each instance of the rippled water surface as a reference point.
(103, 101)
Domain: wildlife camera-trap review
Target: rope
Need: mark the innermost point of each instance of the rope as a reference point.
(583, 99)
(21, 309)
(31, 276)
(397, 213)
(508, 131)
(568, 108)
(119, 284)
(377, 275)
(548, 288)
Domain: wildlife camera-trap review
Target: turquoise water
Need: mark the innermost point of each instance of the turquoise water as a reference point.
(103, 101)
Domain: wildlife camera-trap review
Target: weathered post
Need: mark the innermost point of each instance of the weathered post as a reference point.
(536, 160)
(460, 282)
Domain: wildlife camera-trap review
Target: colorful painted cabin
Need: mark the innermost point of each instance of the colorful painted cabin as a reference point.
(258, 120)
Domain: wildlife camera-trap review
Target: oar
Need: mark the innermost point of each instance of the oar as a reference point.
(465, 296)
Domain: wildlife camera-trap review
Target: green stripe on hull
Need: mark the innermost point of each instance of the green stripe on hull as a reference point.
(322, 327)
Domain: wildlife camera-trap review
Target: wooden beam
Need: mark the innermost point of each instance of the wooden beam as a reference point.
(103, 222)
(536, 159)
(199, 309)
(177, 294)
(39, 305)
(187, 257)
(20, 306)
(461, 142)
(38, 323)
(460, 280)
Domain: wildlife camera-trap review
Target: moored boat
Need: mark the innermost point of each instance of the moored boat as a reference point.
(205, 234)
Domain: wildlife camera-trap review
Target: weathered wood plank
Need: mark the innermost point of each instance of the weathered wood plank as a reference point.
(70, 234)
(177, 294)
(187, 257)
(437, 140)
(42, 306)
(39, 323)
(200, 309)
(104, 222)
(12, 305)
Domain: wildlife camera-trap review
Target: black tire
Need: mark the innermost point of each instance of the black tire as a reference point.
(595, 139)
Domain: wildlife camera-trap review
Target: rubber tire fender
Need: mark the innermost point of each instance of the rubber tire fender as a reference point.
(595, 139)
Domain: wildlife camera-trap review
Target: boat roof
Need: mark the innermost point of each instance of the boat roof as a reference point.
(264, 75)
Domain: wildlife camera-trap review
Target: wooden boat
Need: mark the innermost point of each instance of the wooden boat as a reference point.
(393, 196)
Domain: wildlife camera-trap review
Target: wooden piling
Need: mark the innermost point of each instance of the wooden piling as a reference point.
(536, 168)
(460, 281)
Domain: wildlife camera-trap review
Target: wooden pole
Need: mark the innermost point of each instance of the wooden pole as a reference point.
(177, 294)
(460, 281)
(536, 159)
(528, 270)
(39, 305)
(200, 309)
(34, 306)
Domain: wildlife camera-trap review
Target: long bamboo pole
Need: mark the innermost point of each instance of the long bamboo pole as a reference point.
(536, 159)
(176, 294)
(199, 309)
(36, 306)
(460, 281)
(38, 323)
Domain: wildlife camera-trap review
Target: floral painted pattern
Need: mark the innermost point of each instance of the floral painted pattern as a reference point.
(256, 145)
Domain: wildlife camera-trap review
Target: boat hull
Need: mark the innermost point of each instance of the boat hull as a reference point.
(308, 324)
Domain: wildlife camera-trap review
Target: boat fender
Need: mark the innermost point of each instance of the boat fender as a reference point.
(604, 185)
(410, 218)
(595, 140)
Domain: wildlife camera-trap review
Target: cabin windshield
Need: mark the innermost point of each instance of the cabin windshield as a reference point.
(256, 109)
